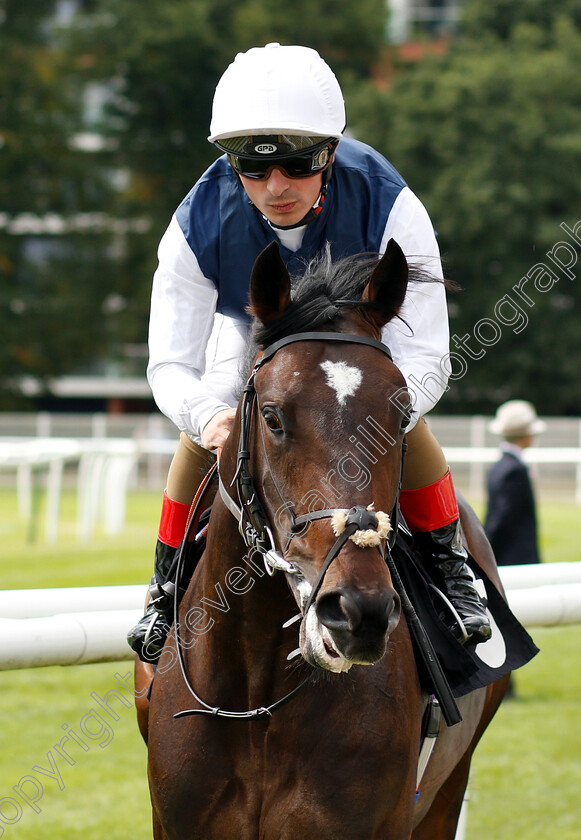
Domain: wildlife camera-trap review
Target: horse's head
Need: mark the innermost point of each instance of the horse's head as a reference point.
(320, 444)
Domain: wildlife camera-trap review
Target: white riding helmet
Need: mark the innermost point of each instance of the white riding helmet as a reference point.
(274, 90)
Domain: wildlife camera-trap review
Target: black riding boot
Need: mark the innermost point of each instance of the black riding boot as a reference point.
(148, 636)
(458, 583)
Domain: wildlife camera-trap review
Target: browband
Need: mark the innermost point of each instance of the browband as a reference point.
(348, 338)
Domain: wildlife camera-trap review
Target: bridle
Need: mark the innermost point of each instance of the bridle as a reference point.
(253, 520)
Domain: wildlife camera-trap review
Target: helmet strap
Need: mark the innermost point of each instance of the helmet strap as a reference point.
(309, 217)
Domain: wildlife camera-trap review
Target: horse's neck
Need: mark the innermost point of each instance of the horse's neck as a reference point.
(241, 604)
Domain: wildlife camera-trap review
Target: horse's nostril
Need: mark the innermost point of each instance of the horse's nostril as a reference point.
(331, 611)
(358, 622)
(352, 610)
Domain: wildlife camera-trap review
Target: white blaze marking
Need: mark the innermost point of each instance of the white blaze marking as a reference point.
(344, 379)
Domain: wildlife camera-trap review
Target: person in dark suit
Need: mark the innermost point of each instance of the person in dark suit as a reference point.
(511, 520)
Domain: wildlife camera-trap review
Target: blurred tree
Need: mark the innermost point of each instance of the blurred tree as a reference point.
(481, 18)
(349, 35)
(106, 110)
(53, 273)
(156, 72)
(489, 136)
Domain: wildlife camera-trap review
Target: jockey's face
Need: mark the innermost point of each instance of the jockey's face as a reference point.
(283, 200)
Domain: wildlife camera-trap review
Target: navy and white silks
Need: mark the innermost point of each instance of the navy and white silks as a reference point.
(198, 326)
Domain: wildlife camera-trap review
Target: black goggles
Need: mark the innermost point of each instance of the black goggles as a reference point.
(296, 165)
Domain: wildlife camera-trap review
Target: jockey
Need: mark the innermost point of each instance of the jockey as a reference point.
(287, 174)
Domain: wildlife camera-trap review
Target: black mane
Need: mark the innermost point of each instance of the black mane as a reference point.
(320, 296)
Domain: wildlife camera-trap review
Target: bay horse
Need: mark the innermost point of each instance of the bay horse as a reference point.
(289, 705)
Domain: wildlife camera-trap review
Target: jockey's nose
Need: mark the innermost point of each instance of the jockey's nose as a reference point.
(278, 181)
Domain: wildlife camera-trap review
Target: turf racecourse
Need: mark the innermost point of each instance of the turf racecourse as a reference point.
(72, 764)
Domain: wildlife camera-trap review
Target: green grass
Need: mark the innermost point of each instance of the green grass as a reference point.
(103, 561)
(526, 774)
(104, 793)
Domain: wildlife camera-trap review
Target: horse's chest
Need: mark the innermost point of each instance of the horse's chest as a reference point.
(286, 788)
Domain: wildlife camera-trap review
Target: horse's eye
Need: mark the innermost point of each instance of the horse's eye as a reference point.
(272, 419)
(405, 421)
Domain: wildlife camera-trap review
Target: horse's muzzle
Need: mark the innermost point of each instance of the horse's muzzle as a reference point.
(359, 622)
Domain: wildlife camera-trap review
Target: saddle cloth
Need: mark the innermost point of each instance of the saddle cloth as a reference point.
(466, 667)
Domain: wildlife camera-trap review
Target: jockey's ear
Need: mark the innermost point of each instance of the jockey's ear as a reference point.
(387, 285)
(269, 285)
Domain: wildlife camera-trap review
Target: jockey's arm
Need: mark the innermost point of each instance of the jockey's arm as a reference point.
(419, 338)
(193, 350)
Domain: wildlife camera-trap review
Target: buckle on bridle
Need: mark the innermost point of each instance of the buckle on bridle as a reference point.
(274, 560)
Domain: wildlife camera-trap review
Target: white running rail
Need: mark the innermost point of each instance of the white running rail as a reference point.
(89, 624)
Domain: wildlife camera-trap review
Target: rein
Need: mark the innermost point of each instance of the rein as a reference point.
(254, 524)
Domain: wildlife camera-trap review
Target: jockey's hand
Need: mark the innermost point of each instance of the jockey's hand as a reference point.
(216, 431)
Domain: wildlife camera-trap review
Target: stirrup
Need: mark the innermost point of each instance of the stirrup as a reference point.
(163, 596)
(156, 635)
(153, 627)
(457, 626)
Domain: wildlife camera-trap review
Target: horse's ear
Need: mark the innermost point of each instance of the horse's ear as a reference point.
(269, 285)
(388, 284)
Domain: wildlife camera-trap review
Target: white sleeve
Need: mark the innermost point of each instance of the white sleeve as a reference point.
(183, 323)
(419, 342)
